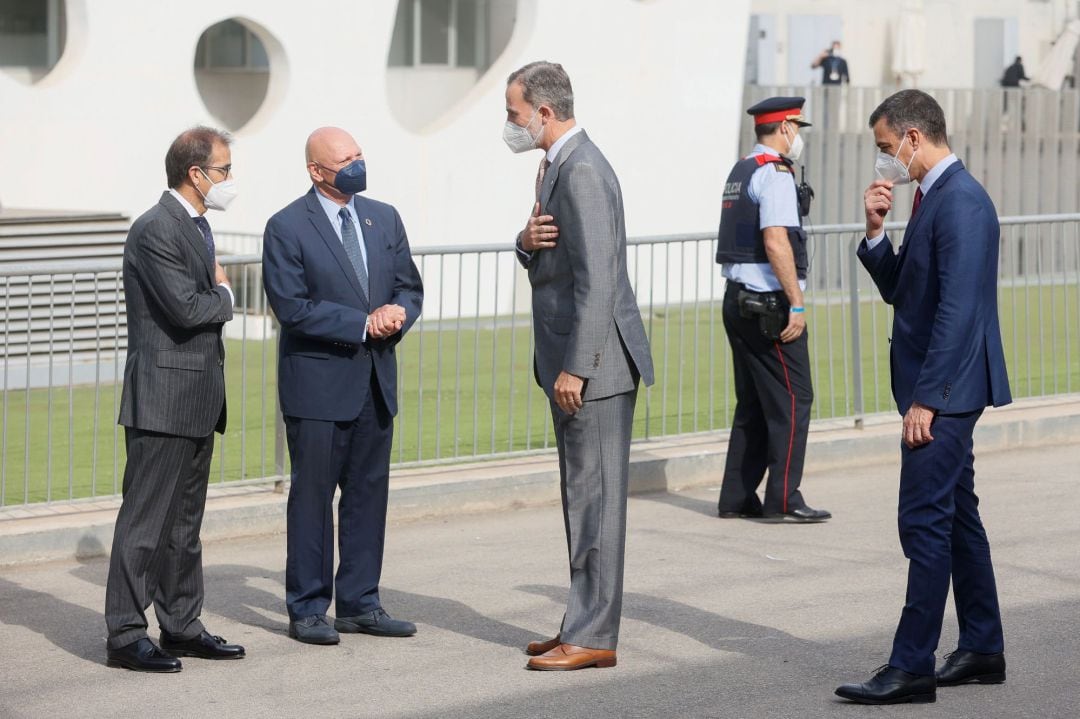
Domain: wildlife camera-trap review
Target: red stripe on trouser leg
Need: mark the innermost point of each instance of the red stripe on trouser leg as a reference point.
(791, 438)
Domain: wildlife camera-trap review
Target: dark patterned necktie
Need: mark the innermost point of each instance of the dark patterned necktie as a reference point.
(544, 165)
(917, 201)
(208, 236)
(351, 244)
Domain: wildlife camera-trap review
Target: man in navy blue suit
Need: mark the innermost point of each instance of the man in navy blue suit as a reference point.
(947, 366)
(341, 280)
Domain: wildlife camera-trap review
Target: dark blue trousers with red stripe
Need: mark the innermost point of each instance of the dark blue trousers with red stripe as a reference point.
(943, 537)
(773, 395)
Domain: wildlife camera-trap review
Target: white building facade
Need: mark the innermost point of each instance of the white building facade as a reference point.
(107, 84)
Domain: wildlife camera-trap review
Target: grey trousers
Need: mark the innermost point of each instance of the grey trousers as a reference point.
(594, 466)
(156, 552)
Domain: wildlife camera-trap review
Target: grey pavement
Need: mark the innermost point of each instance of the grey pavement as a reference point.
(722, 618)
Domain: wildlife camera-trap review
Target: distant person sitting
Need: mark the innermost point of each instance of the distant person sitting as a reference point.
(834, 69)
(1014, 74)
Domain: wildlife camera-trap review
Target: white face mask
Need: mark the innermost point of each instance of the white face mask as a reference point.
(220, 195)
(795, 148)
(888, 167)
(518, 138)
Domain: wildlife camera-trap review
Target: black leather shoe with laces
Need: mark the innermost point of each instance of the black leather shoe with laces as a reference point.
(964, 667)
(890, 685)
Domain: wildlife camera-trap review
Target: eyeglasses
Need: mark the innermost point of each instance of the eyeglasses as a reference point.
(225, 170)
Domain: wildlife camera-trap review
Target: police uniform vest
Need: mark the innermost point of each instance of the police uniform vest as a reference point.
(741, 238)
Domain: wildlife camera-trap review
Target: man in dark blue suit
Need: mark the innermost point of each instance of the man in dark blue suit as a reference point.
(947, 366)
(341, 280)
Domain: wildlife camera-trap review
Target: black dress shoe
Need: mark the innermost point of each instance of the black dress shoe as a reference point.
(377, 622)
(964, 667)
(204, 646)
(142, 655)
(891, 686)
(805, 515)
(313, 630)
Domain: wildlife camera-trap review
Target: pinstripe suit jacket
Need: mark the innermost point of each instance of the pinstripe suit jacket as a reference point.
(174, 379)
(585, 316)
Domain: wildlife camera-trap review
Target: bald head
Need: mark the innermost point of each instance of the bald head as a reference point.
(328, 150)
(331, 145)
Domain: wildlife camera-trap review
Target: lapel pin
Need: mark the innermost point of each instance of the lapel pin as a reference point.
(367, 221)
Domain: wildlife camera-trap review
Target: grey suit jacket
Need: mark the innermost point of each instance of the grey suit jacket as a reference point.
(174, 379)
(585, 316)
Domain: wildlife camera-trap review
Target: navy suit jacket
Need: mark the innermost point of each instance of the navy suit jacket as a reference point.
(324, 368)
(946, 348)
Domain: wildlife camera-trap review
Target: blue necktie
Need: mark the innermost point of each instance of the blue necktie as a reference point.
(352, 248)
(208, 236)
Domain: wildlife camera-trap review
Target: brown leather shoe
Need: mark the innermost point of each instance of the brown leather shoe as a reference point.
(535, 649)
(566, 657)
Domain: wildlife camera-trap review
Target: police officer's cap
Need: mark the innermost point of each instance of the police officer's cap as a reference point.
(778, 109)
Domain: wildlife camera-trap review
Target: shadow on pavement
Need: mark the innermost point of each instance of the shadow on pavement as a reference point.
(709, 628)
(230, 593)
(682, 501)
(75, 629)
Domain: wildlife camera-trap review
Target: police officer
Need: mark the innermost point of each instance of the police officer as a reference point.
(762, 250)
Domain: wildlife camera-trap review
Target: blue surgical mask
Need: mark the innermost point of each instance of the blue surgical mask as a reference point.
(352, 178)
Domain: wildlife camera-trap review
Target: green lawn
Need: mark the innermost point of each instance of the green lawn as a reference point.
(455, 407)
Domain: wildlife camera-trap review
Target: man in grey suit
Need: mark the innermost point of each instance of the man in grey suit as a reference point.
(591, 352)
(178, 299)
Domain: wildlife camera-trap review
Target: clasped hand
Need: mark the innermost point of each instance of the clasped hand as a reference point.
(385, 321)
(540, 233)
(220, 278)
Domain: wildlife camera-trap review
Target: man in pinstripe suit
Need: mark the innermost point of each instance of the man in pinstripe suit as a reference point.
(178, 298)
(591, 352)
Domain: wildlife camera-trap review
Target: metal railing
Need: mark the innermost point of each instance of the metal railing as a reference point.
(465, 381)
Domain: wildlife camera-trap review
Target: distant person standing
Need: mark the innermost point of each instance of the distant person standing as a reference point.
(178, 299)
(1014, 74)
(834, 70)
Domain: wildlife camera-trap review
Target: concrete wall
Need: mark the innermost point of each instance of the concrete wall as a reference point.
(658, 86)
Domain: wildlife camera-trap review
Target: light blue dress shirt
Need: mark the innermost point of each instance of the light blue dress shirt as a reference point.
(332, 209)
(927, 182)
(774, 192)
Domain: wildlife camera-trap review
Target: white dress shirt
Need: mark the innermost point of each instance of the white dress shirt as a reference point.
(192, 212)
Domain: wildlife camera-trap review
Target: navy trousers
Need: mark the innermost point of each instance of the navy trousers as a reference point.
(943, 537)
(354, 456)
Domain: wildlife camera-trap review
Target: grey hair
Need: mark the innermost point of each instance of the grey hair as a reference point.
(912, 108)
(546, 83)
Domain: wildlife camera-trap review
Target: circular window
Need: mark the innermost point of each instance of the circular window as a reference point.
(239, 70)
(33, 34)
(439, 51)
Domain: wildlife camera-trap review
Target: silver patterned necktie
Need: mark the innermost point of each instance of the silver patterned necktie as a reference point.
(351, 244)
